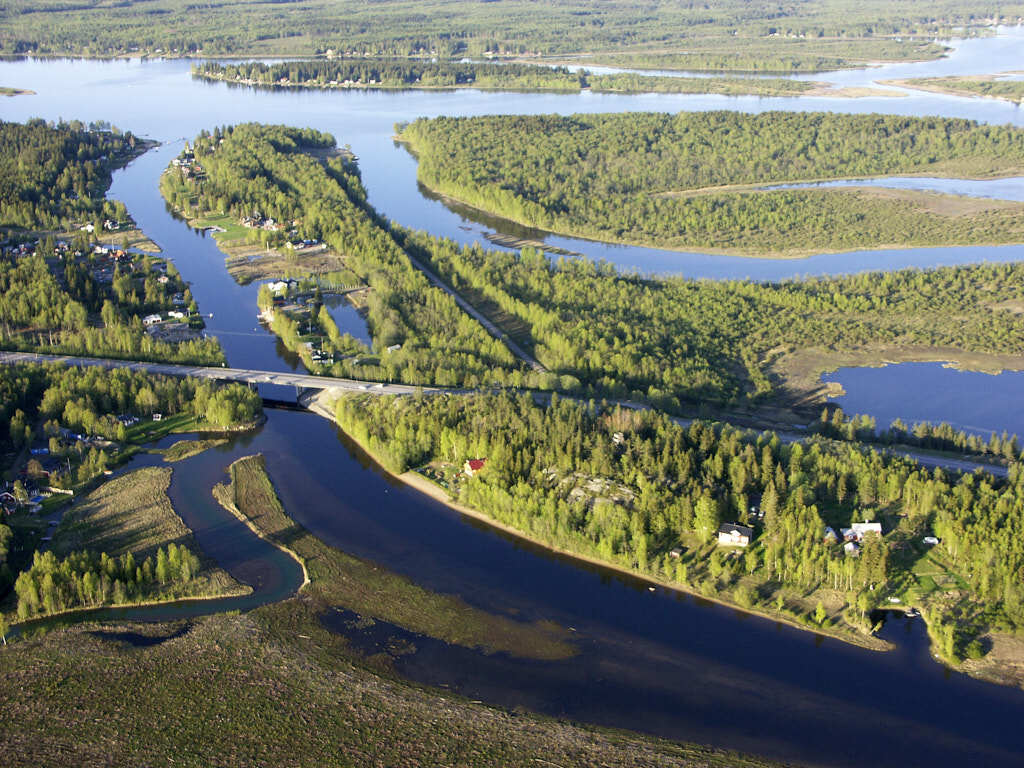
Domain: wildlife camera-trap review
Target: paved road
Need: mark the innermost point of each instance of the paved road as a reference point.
(300, 380)
(310, 382)
(472, 311)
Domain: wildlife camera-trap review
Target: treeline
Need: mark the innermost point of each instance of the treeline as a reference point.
(777, 55)
(404, 73)
(661, 485)
(456, 28)
(38, 314)
(89, 580)
(52, 176)
(650, 178)
(942, 437)
(672, 341)
(44, 398)
(269, 170)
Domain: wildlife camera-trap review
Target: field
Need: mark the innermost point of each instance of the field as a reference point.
(132, 513)
(271, 688)
(342, 581)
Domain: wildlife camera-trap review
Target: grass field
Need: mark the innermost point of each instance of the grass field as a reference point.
(340, 580)
(185, 449)
(271, 688)
(132, 513)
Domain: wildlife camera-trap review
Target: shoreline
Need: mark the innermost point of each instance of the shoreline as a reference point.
(780, 256)
(222, 494)
(22, 624)
(320, 405)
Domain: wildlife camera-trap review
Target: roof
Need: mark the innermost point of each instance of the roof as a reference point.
(736, 528)
(475, 464)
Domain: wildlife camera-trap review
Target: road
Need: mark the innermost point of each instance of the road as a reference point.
(245, 376)
(307, 381)
(473, 312)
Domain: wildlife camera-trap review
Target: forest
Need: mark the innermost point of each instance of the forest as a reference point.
(39, 400)
(40, 313)
(676, 342)
(405, 73)
(868, 30)
(629, 487)
(55, 176)
(69, 296)
(272, 171)
(89, 579)
(689, 181)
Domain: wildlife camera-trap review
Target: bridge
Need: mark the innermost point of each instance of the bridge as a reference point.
(303, 381)
(318, 384)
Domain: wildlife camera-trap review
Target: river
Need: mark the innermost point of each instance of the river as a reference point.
(656, 662)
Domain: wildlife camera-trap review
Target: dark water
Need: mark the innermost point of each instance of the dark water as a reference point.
(348, 319)
(656, 662)
(975, 402)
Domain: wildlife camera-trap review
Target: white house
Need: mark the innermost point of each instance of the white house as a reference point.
(152, 320)
(735, 535)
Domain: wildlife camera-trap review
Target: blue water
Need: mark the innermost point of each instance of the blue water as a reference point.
(975, 402)
(348, 319)
(997, 189)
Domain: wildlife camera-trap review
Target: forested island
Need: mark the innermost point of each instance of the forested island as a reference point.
(690, 181)
(404, 74)
(991, 86)
(635, 490)
(299, 190)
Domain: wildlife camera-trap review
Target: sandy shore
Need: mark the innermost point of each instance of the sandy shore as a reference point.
(321, 404)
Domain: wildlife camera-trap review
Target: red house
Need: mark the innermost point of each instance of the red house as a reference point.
(472, 466)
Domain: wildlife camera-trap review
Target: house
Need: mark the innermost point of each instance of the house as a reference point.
(735, 535)
(675, 553)
(472, 466)
(830, 535)
(931, 541)
(152, 320)
(394, 348)
(157, 416)
(163, 279)
(852, 548)
(857, 531)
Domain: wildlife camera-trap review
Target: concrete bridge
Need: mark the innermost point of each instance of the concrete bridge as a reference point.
(301, 381)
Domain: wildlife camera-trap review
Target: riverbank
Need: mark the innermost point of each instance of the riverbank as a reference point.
(929, 202)
(321, 404)
(969, 86)
(339, 581)
(131, 516)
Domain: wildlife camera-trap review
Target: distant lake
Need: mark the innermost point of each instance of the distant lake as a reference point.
(975, 402)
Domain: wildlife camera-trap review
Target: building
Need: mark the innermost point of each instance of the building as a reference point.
(735, 535)
(472, 466)
(152, 320)
(857, 531)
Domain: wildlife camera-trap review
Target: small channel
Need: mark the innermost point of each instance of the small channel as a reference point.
(272, 574)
